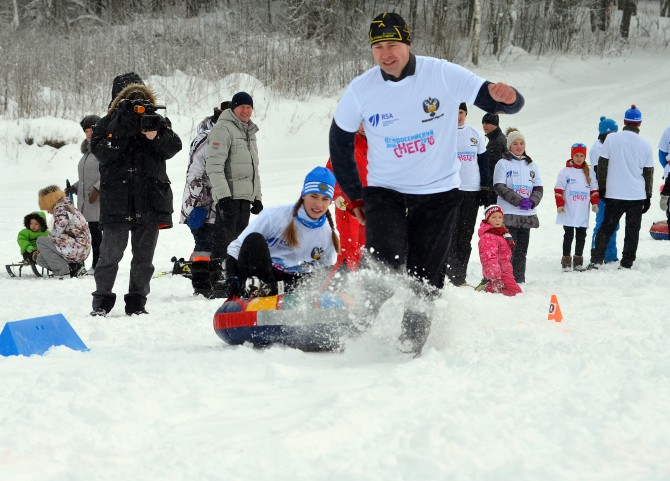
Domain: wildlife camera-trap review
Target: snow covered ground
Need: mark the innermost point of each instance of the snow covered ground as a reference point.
(500, 393)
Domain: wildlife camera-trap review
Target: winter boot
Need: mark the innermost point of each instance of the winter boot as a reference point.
(578, 263)
(566, 263)
(415, 330)
(77, 269)
(200, 279)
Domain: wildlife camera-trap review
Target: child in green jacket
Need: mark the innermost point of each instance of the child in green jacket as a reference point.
(35, 226)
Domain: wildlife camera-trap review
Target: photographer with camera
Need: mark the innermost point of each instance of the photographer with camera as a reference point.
(132, 143)
(232, 167)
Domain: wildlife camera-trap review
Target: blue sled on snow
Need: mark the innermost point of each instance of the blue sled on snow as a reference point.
(37, 335)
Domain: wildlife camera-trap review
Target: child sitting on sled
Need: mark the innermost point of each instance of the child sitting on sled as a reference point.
(68, 244)
(495, 253)
(35, 226)
(288, 242)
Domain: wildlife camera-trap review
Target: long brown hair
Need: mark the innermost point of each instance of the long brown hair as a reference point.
(291, 235)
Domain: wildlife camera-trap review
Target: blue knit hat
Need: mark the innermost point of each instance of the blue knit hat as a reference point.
(319, 181)
(633, 116)
(607, 125)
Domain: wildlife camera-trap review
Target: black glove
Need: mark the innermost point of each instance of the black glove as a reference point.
(256, 207)
(70, 190)
(225, 208)
(232, 287)
(647, 204)
(124, 120)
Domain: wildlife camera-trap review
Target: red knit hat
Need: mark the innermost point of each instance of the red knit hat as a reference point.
(490, 210)
(577, 148)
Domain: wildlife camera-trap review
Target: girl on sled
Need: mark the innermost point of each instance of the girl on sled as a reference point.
(286, 243)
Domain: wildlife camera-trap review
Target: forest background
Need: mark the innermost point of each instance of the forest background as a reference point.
(57, 57)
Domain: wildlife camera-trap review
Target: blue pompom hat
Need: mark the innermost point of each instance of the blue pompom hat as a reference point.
(632, 116)
(319, 181)
(607, 126)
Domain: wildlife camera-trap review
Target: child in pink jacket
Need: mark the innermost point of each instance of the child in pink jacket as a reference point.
(495, 253)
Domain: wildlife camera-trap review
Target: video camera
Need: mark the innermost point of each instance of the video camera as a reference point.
(149, 121)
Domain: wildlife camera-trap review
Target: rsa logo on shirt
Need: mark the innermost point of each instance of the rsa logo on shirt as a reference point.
(384, 119)
(431, 106)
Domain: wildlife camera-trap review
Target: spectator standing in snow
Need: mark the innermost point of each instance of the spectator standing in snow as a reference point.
(517, 181)
(197, 208)
(474, 174)
(135, 192)
(87, 188)
(352, 233)
(495, 148)
(576, 187)
(286, 243)
(68, 244)
(605, 128)
(495, 252)
(408, 105)
(35, 226)
(625, 177)
(232, 167)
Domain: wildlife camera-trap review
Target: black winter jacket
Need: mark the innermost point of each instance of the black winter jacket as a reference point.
(495, 149)
(134, 185)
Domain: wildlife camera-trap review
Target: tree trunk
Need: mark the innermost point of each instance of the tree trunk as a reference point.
(476, 30)
(15, 21)
(191, 8)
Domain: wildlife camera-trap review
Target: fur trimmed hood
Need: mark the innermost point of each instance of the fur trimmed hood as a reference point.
(129, 89)
(39, 217)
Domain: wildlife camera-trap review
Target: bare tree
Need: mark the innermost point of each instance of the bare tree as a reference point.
(15, 20)
(475, 32)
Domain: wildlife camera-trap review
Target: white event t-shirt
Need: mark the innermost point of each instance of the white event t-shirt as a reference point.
(519, 176)
(628, 154)
(411, 124)
(577, 195)
(469, 143)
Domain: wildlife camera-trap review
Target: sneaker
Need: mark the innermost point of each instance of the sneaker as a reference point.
(137, 312)
(254, 287)
(482, 285)
(99, 312)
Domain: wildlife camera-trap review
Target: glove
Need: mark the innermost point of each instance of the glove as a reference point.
(196, 219)
(256, 207)
(510, 240)
(126, 121)
(232, 287)
(647, 204)
(664, 202)
(595, 208)
(526, 204)
(70, 190)
(225, 208)
(35, 254)
(93, 196)
(560, 209)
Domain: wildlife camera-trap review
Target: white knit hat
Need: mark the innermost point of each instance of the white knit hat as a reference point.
(512, 135)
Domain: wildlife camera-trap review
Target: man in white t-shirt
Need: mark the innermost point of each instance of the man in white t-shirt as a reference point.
(625, 177)
(408, 106)
(474, 183)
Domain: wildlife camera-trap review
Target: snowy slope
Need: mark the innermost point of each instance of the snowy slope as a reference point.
(500, 393)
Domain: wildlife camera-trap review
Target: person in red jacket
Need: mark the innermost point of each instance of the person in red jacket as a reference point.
(352, 232)
(495, 253)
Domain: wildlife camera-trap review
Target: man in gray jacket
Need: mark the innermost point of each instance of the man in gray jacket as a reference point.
(232, 168)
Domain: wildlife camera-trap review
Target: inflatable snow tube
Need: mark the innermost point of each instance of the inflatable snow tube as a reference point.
(659, 230)
(264, 321)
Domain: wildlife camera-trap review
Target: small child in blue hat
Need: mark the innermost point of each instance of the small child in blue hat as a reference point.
(286, 242)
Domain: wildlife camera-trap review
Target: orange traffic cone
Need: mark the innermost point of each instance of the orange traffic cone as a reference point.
(554, 310)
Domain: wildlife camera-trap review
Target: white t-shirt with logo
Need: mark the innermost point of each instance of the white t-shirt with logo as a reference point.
(469, 143)
(411, 124)
(628, 154)
(577, 195)
(594, 153)
(519, 176)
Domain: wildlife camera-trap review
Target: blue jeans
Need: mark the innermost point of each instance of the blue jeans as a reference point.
(204, 238)
(610, 251)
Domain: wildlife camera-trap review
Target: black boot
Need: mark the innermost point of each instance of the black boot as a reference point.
(200, 278)
(415, 330)
(77, 269)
